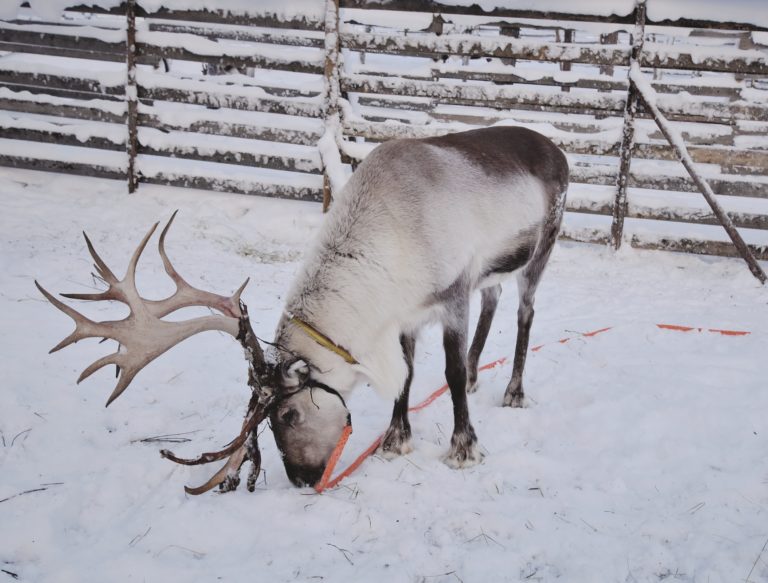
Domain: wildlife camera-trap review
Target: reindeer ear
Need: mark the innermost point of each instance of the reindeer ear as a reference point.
(295, 372)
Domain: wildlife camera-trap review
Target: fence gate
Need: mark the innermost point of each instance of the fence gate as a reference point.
(240, 102)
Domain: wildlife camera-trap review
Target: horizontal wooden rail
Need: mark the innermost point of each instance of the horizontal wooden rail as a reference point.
(721, 59)
(680, 108)
(433, 6)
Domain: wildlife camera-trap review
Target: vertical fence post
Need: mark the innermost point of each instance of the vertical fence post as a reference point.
(568, 35)
(131, 96)
(332, 87)
(628, 134)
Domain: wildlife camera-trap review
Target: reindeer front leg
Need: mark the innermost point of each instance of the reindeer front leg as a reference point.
(463, 452)
(397, 439)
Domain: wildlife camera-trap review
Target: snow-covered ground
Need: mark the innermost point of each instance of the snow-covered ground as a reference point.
(642, 456)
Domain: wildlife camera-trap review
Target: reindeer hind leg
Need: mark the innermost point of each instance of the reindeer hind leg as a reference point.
(527, 282)
(490, 300)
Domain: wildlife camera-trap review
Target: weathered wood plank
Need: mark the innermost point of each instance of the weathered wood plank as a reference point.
(60, 92)
(602, 83)
(472, 46)
(236, 186)
(636, 210)
(62, 138)
(697, 246)
(274, 162)
(235, 130)
(149, 54)
(239, 34)
(58, 166)
(61, 110)
(532, 99)
(263, 19)
(53, 50)
(731, 186)
(263, 104)
(433, 6)
(65, 82)
(68, 44)
(62, 41)
(422, 45)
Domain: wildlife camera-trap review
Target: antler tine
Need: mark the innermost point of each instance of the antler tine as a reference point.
(130, 275)
(104, 271)
(236, 296)
(117, 289)
(187, 295)
(126, 376)
(81, 322)
(228, 470)
(100, 363)
(169, 269)
(236, 450)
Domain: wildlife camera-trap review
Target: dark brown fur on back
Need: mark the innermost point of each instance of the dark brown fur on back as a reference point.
(506, 150)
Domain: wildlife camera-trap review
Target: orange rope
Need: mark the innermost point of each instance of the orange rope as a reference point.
(326, 481)
(333, 460)
(690, 328)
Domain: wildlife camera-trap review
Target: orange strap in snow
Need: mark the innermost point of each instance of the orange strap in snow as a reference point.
(326, 481)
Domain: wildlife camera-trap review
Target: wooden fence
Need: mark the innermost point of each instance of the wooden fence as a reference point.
(240, 103)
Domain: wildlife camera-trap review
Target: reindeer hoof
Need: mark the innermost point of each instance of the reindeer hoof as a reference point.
(471, 387)
(396, 442)
(516, 400)
(464, 452)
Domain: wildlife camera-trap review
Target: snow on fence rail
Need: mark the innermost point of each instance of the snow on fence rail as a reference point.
(238, 102)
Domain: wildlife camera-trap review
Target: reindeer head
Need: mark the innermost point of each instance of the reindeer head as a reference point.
(307, 417)
(307, 423)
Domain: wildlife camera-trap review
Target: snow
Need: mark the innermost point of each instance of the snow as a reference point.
(174, 115)
(641, 455)
(82, 130)
(304, 158)
(250, 178)
(67, 154)
(104, 73)
(198, 45)
(113, 107)
(221, 95)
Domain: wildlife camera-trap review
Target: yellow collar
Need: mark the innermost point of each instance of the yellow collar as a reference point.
(322, 339)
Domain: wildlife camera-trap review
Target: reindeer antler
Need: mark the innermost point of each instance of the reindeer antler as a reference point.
(143, 336)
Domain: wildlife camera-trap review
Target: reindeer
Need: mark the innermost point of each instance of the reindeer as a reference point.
(421, 224)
